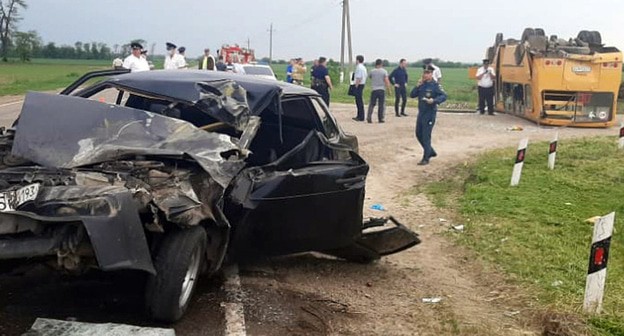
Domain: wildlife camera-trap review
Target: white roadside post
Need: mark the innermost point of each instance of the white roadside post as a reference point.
(597, 272)
(517, 170)
(621, 141)
(552, 152)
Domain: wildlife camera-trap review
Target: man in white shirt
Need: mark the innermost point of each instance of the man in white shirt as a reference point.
(135, 62)
(173, 60)
(359, 81)
(437, 73)
(486, 77)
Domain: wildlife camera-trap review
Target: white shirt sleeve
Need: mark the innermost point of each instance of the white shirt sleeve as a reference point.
(480, 71)
(127, 63)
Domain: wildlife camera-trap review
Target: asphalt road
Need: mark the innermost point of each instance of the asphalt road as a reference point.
(9, 111)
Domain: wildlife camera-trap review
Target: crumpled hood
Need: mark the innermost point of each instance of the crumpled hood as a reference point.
(69, 132)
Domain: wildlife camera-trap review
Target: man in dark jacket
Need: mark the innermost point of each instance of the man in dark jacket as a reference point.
(430, 95)
(398, 78)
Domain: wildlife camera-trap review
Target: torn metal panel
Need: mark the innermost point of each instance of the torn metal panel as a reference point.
(101, 132)
(224, 100)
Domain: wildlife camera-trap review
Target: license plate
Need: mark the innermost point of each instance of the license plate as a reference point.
(10, 200)
(581, 69)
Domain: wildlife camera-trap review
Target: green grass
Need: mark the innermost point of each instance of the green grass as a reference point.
(537, 232)
(461, 90)
(44, 74)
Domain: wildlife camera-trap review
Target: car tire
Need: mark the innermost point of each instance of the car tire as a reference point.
(178, 264)
(596, 38)
(540, 32)
(585, 36)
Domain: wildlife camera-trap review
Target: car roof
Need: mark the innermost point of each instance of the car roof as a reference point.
(181, 85)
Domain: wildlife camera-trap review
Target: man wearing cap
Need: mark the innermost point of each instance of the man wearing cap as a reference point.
(430, 95)
(135, 62)
(207, 62)
(173, 60)
(437, 73)
(181, 52)
(486, 76)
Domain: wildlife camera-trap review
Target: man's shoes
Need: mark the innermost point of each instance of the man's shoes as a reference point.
(398, 115)
(381, 121)
(369, 121)
(423, 162)
(434, 154)
(357, 119)
(491, 114)
(404, 114)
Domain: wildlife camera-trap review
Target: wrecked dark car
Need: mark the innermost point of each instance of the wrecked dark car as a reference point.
(177, 173)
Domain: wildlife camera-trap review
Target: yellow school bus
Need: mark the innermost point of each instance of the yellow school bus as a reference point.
(559, 82)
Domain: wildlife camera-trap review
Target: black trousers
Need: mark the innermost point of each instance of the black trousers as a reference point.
(400, 94)
(359, 102)
(377, 96)
(323, 90)
(486, 95)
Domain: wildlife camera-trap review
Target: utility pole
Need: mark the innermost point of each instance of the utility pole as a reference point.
(271, 30)
(248, 43)
(346, 29)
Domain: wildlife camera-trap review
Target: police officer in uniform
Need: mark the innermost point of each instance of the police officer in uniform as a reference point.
(135, 62)
(430, 95)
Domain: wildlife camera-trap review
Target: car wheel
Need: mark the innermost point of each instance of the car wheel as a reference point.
(585, 36)
(178, 264)
(596, 38)
(526, 33)
(540, 32)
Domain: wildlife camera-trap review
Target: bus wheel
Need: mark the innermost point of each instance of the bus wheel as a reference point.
(526, 33)
(595, 37)
(540, 32)
(585, 36)
(498, 40)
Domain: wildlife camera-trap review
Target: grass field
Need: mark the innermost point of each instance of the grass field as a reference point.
(461, 90)
(537, 232)
(43, 74)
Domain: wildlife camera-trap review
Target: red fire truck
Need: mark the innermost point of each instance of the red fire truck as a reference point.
(236, 54)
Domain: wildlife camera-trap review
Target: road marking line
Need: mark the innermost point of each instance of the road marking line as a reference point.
(234, 308)
(11, 103)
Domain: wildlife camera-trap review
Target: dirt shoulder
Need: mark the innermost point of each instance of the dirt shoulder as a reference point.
(329, 297)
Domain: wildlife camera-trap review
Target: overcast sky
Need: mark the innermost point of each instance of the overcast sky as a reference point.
(458, 30)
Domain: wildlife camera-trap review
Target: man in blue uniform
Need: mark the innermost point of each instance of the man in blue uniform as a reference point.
(430, 95)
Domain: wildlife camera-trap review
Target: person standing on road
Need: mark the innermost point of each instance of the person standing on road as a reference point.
(289, 71)
(321, 82)
(430, 95)
(135, 62)
(221, 66)
(207, 62)
(173, 61)
(486, 77)
(437, 73)
(359, 78)
(379, 83)
(299, 71)
(398, 78)
(181, 52)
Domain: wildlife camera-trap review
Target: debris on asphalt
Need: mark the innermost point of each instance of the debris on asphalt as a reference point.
(378, 207)
(432, 300)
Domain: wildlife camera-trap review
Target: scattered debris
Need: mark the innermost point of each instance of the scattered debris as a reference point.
(515, 128)
(442, 220)
(48, 327)
(432, 300)
(378, 207)
(592, 220)
(369, 284)
(459, 228)
(511, 313)
(568, 203)
(557, 283)
(504, 240)
(421, 226)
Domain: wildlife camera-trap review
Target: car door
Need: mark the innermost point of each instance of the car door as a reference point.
(299, 202)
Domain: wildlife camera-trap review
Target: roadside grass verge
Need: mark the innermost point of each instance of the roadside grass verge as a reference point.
(42, 75)
(537, 233)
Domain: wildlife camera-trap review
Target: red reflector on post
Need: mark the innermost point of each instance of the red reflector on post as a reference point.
(547, 62)
(599, 256)
(559, 62)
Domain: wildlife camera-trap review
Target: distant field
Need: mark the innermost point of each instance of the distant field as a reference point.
(44, 74)
(460, 89)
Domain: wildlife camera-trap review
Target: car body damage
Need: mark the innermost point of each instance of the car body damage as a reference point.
(179, 172)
